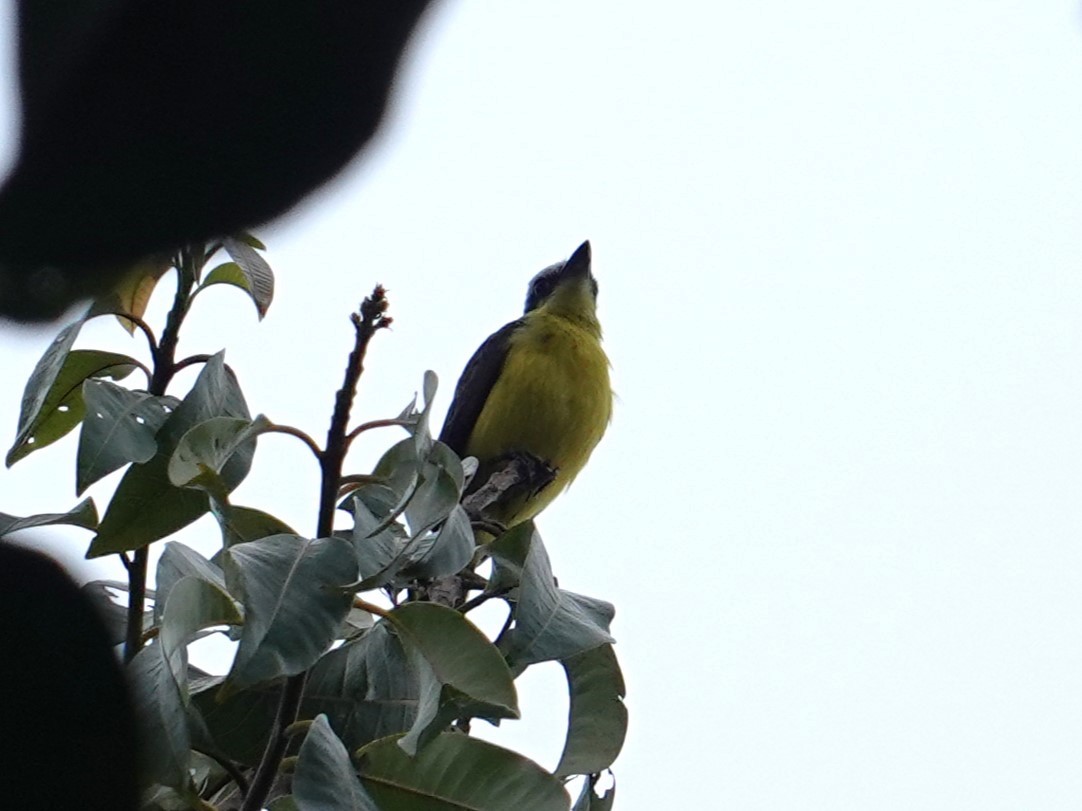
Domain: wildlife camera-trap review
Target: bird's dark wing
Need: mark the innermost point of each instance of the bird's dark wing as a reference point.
(477, 380)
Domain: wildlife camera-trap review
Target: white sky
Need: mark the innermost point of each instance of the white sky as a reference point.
(840, 257)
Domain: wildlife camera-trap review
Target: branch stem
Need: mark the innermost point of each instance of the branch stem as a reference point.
(164, 354)
(365, 324)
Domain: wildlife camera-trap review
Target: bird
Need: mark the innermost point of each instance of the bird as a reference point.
(538, 386)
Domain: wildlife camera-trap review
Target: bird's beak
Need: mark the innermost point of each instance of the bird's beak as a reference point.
(579, 263)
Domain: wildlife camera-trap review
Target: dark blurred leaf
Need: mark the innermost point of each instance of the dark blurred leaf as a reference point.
(550, 623)
(461, 672)
(325, 779)
(53, 400)
(120, 429)
(109, 148)
(146, 506)
(293, 602)
(597, 718)
(62, 689)
(82, 515)
(256, 276)
(457, 773)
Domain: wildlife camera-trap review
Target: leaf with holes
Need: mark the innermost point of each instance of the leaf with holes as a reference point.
(146, 506)
(120, 429)
(53, 401)
(203, 452)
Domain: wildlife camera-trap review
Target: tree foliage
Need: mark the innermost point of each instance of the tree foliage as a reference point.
(356, 670)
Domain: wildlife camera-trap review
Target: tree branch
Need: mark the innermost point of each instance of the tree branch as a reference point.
(370, 319)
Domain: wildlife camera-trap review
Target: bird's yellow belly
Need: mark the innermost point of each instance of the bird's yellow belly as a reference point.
(552, 399)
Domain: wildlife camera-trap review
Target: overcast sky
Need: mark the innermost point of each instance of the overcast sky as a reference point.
(839, 248)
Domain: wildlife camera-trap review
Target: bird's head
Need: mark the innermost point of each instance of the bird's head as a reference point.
(566, 288)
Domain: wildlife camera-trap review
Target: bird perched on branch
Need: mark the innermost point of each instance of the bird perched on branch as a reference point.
(539, 387)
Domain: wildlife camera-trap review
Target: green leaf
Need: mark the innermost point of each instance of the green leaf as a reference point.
(179, 561)
(243, 524)
(146, 506)
(256, 277)
(457, 773)
(550, 623)
(53, 401)
(437, 493)
(238, 721)
(422, 436)
(159, 707)
(365, 687)
(590, 801)
(83, 515)
(39, 385)
(461, 672)
(294, 602)
(378, 548)
(445, 553)
(398, 469)
(597, 719)
(192, 605)
(203, 452)
(120, 429)
(283, 803)
(325, 779)
(252, 240)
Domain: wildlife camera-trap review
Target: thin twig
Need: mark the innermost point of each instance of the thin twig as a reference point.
(228, 766)
(368, 426)
(143, 326)
(370, 319)
(481, 599)
(189, 361)
(164, 354)
(371, 608)
(289, 430)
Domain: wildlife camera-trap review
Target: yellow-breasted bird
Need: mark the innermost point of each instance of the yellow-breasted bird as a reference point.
(538, 385)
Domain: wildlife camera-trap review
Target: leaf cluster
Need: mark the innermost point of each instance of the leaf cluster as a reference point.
(389, 679)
